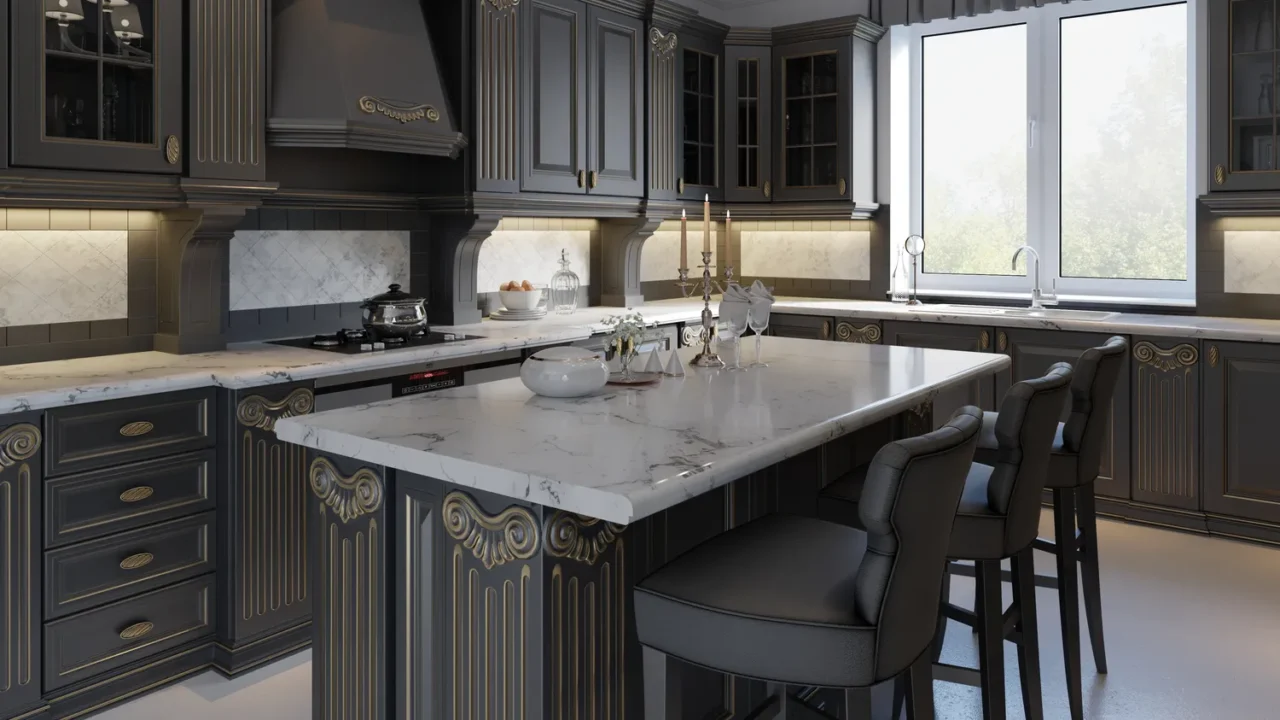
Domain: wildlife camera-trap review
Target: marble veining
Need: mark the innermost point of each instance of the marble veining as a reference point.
(1251, 262)
(288, 268)
(57, 276)
(660, 256)
(810, 254)
(625, 453)
(532, 255)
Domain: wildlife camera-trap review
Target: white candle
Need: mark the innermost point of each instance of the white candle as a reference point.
(684, 240)
(706, 223)
(728, 239)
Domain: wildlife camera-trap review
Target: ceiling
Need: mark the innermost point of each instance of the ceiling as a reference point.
(771, 13)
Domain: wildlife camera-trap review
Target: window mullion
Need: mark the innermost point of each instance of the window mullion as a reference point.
(1050, 154)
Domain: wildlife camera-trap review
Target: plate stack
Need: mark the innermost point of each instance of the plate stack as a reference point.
(505, 314)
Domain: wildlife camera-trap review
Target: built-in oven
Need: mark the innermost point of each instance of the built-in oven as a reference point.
(414, 379)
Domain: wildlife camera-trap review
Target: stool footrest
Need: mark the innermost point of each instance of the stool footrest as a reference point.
(958, 674)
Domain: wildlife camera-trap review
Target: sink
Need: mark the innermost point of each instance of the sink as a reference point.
(1047, 313)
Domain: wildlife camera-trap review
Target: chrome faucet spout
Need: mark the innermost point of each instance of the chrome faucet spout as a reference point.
(1036, 293)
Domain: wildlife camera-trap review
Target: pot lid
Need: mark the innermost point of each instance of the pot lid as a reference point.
(394, 296)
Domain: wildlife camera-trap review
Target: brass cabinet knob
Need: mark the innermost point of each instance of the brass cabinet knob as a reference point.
(984, 340)
(136, 494)
(680, 186)
(842, 186)
(1002, 341)
(582, 178)
(826, 329)
(136, 429)
(137, 631)
(137, 561)
(1220, 174)
(595, 177)
(768, 189)
(172, 150)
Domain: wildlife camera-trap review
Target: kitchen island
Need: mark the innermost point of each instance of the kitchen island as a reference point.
(472, 551)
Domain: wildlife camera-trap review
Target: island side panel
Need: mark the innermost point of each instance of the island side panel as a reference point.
(350, 575)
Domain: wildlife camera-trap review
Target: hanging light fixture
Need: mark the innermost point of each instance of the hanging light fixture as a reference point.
(65, 12)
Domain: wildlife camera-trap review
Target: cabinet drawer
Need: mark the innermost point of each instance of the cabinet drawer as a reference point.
(97, 641)
(121, 431)
(103, 502)
(92, 573)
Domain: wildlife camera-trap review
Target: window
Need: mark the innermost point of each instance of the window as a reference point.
(1064, 127)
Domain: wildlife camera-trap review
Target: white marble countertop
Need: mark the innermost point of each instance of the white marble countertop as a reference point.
(626, 453)
(1179, 326)
(34, 386)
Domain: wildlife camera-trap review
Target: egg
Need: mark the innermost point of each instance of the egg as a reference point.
(514, 285)
(526, 285)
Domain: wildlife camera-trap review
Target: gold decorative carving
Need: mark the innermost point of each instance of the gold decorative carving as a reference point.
(1179, 356)
(259, 412)
(137, 630)
(491, 632)
(504, 5)
(580, 538)
(984, 340)
(493, 539)
(137, 429)
(1213, 356)
(350, 577)
(136, 561)
(864, 334)
(826, 329)
(664, 44)
(137, 494)
(348, 497)
(172, 150)
(18, 443)
(1002, 341)
(588, 653)
(402, 112)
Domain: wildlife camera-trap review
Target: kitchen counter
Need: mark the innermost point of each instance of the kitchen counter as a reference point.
(624, 454)
(35, 386)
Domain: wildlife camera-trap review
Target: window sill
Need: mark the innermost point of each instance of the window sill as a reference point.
(1080, 302)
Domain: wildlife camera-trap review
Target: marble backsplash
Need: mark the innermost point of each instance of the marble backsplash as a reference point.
(290, 268)
(529, 249)
(59, 276)
(660, 257)
(1251, 262)
(843, 254)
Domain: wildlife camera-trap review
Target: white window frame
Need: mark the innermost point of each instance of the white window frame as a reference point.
(1043, 154)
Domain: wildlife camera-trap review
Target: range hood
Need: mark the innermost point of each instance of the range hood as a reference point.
(358, 74)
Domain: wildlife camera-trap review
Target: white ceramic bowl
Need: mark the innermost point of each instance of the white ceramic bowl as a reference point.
(520, 299)
(564, 372)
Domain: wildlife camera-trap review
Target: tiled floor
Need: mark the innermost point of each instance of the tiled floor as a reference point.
(1193, 633)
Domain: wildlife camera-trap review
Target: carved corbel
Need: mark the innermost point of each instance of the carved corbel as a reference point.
(452, 253)
(191, 278)
(621, 241)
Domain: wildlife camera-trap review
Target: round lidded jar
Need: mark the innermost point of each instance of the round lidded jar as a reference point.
(564, 372)
(395, 314)
(564, 288)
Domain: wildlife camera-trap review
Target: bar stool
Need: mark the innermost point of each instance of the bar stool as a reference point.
(1074, 463)
(800, 601)
(998, 515)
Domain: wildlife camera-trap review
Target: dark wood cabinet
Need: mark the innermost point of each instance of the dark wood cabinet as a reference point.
(1241, 458)
(700, 119)
(1243, 52)
(966, 338)
(582, 115)
(748, 124)
(20, 596)
(1032, 352)
(809, 327)
(1165, 422)
(98, 86)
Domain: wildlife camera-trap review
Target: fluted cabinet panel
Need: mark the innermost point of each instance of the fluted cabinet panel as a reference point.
(664, 121)
(227, 97)
(20, 651)
(497, 93)
(1166, 422)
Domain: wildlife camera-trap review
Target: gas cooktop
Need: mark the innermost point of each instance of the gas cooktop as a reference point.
(354, 342)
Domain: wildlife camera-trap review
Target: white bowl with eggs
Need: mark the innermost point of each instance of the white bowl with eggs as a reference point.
(520, 296)
(564, 372)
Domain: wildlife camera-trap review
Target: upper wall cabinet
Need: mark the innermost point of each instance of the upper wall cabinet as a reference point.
(686, 121)
(699, 121)
(582, 115)
(748, 113)
(1243, 52)
(97, 85)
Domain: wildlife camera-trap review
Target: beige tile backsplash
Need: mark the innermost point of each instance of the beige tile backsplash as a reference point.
(291, 268)
(529, 249)
(1251, 262)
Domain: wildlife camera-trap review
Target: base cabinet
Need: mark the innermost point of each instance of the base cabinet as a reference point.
(20, 593)
(808, 327)
(1165, 422)
(966, 338)
(1241, 461)
(1032, 352)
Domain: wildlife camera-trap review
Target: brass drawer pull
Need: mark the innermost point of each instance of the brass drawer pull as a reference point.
(137, 429)
(137, 494)
(842, 187)
(680, 186)
(595, 178)
(136, 631)
(139, 560)
(768, 189)
(582, 178)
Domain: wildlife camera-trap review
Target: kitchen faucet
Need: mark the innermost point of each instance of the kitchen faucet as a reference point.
(1036, 294)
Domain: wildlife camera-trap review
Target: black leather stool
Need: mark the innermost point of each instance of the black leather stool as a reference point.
(794, 600)
(1074, 462)
(998, 516)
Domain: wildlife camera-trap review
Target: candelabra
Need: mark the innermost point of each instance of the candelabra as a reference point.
(706, 358)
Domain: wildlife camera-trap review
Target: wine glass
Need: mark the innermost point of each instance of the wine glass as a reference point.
(758, 322)
(737, 325)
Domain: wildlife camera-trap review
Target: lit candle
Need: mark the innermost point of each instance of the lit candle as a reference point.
(684, 240)
(706, 223)
(728, 239)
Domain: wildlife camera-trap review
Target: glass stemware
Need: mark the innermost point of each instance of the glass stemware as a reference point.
(759, 322)
(737, 327)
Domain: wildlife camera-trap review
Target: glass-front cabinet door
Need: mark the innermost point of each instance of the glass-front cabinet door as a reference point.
(1244, 52)
(97, 85)
(699, 123)
(748, 110)
(813, 152)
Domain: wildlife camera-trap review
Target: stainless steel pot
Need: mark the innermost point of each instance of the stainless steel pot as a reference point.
(394, 314)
